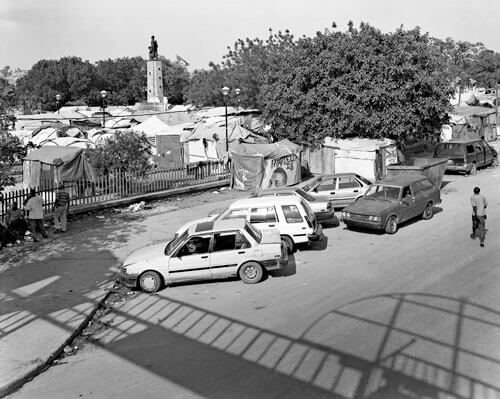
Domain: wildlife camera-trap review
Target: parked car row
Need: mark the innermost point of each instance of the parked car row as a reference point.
(253, 236)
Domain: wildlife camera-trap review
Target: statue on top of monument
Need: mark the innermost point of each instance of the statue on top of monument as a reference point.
(153, 49)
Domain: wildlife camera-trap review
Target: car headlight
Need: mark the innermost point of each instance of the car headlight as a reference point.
(374, 218)
(346, 215)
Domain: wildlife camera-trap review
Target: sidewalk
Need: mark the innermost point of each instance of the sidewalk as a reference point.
(51, 289)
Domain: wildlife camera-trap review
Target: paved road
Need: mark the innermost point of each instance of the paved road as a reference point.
(361, 314)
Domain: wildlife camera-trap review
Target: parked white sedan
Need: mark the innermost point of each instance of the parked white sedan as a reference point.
(206, 250)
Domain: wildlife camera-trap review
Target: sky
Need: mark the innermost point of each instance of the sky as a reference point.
(201, 30)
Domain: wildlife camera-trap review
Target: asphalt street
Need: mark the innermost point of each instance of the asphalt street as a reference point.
(360, 314)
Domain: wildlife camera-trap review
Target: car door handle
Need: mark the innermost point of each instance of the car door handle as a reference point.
(272, 225)
(241, 252)
(204, 257)
(355, 191)
(332, 192)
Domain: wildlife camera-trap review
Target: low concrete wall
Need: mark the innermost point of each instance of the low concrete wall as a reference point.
(77, 209)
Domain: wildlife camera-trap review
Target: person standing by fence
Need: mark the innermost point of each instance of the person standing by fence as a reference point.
(61, 207)
(34, 207)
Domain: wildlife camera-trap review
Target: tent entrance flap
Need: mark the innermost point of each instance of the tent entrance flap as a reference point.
(247, 171)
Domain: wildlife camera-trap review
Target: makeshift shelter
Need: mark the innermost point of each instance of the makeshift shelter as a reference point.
(151, 126)
(207, 142)
(55, 130)
(469, 122)
(69, 142)
(169, 148)
(367, 157)
(50, 165)
(261, 166)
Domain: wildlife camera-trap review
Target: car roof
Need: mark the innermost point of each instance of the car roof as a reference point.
(218, 225)
(401, 180)
(258, 201)
(280, 190)
(460, 141)
(337, 175)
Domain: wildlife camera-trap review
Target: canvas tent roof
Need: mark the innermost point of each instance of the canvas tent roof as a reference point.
(217, 132)
(69, 141)
(151, 127)
(357, 144)
(276, 150)
(464, 110)
(70, 162)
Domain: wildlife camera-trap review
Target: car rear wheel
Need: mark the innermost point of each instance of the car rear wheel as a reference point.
(391, 226)
(288, 242)
(251, 273)
(150, 281)
(428, 212)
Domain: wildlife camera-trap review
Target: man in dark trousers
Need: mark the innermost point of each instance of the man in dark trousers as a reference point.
(479, 205)
(61, 207)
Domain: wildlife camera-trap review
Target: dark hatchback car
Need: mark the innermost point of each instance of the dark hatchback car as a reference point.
(392, 201)
(466, 156)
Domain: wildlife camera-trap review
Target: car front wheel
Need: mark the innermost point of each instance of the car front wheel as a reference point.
(427, 214)
(391, 226)
(251, 273)
(150, 281)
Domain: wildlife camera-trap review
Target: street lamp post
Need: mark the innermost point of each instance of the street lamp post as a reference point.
(58, 102)
(104, 93)
(225, 92)
(237, 91)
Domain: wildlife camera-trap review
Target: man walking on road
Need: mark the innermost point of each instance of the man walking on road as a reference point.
(479, 205)
(34, 207)
(61, 207)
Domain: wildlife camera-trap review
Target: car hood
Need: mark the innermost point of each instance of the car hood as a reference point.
(146, 254)
(369, 206)
(270, 236)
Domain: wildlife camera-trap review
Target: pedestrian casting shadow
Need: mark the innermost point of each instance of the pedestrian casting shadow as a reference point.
(350, 352)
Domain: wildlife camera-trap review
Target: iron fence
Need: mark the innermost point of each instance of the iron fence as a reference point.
(118, 184)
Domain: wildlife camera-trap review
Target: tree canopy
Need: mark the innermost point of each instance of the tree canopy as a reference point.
(126, 151)
(11, 150)
(80, 82)
(360, 83)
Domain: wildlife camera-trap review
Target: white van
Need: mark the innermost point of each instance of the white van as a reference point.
(291, 215)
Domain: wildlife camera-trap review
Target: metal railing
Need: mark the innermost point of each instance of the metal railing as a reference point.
(118, 184)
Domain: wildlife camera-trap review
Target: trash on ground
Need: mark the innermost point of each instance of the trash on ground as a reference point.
(137, 207)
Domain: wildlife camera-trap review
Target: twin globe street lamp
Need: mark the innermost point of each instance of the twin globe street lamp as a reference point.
(225, 92)
(104, 94)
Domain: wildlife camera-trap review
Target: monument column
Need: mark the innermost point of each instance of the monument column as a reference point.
(155, 82)
(155, 77)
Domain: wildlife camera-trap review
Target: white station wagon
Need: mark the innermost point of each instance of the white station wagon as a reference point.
(207, 250)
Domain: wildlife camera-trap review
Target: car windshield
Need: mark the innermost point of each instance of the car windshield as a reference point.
(449, 149)
(378, 191)
(305, 195)
(175, 242)
(254, 233)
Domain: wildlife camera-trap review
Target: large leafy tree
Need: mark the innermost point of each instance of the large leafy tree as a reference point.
(360, 83)
(70, 76)
(243, 67)
(124, 78)
(175, 80)
(126, 151)
(485, 68)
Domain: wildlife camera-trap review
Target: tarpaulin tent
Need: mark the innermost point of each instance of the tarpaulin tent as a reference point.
(471, 122)
(54, 130)
(207, 142)
(367, 157)
(261, 166)
(53, 164)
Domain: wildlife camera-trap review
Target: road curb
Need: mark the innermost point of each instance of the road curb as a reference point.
(19, 382)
